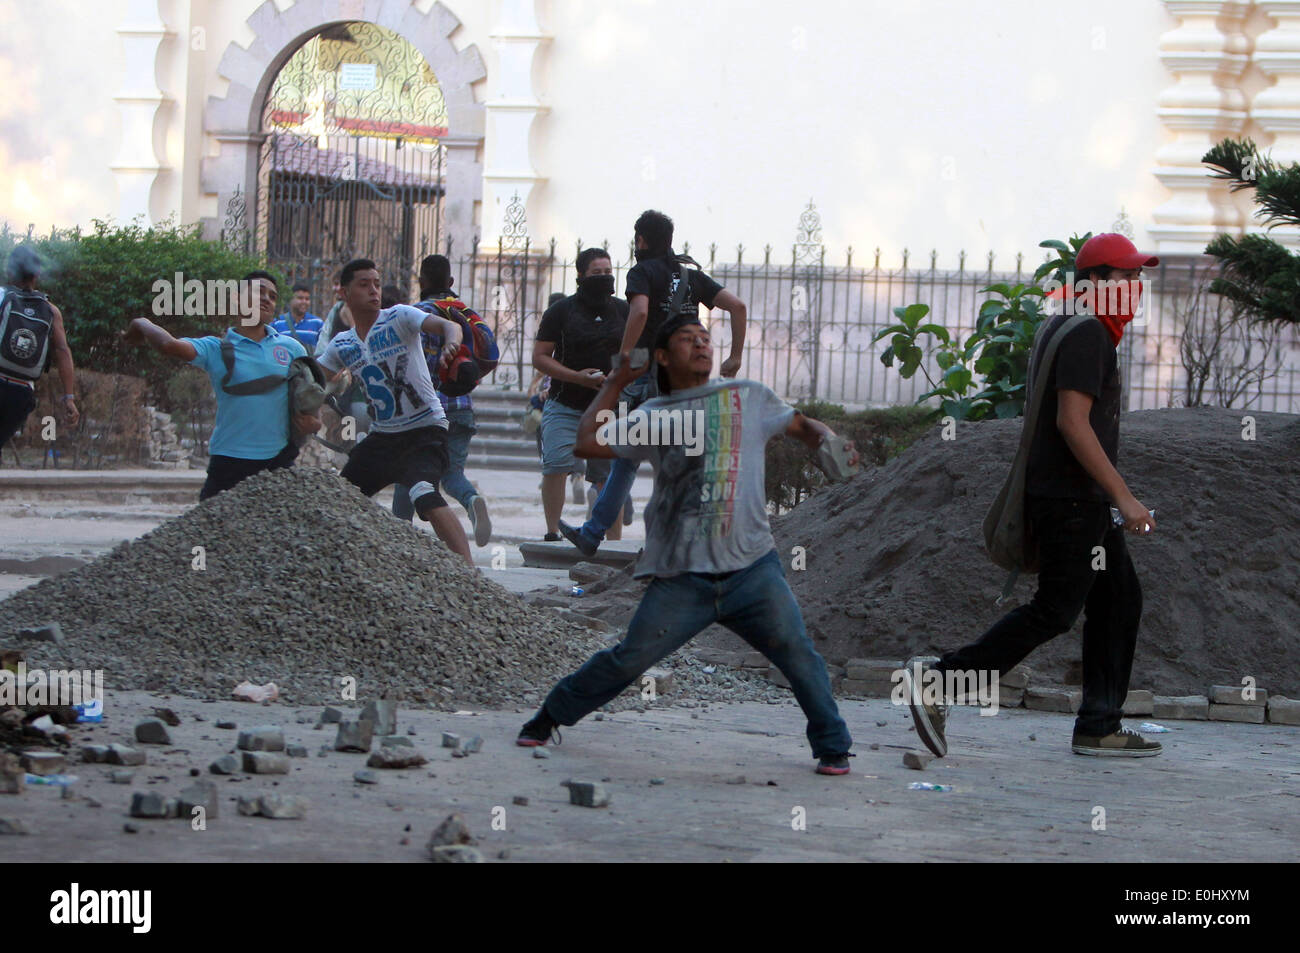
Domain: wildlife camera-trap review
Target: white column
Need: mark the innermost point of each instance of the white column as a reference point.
(1277, 108)
(1207, 54)
(510, 115)
(138, 163)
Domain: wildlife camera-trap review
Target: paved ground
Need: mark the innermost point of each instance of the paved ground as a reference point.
(1220, 792)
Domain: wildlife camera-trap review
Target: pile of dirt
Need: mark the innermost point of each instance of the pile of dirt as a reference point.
(295, 577)
(896, 563)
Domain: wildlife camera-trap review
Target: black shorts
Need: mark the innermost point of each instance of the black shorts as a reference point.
(16, 402)
(414, 458)
(225, 472)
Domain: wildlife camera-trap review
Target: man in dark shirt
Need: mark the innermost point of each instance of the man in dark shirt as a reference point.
(1071, 483)
(575, 346)
(651, 285)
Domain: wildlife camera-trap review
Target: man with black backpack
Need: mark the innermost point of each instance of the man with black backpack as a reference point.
(1069, 485)
(662, 285)
(436, 297)
(250, 367)
(31, 338)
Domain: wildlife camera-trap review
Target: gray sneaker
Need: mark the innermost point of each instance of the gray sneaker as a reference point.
(478, 515)
(1125, 743)
(929, 719)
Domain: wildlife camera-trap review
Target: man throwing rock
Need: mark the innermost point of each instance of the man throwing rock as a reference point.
(708, 543)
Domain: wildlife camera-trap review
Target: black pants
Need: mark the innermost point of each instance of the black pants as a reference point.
(1068, 531)
(16, 402)
(225, 472)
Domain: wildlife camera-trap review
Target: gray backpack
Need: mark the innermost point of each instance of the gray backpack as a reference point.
(1007, 535)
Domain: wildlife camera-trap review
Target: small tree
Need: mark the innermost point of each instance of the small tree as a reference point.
(1255, 271)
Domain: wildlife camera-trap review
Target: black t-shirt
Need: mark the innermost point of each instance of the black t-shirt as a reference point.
(584, 336)
(1085, 361)
(657, 279)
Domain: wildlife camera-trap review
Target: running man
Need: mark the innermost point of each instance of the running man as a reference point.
(407, 442)
(708, 543)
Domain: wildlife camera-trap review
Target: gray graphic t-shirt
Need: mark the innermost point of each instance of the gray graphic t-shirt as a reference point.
(708, 511)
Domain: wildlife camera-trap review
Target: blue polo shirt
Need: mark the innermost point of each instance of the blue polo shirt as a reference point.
(307, 330)
(254, 426)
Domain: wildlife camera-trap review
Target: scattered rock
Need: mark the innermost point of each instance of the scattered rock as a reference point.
(396, 741)
(383, 714)
(587, 793)
(125, 755)
(121, 776)
(473, 746)
(916, 760)
(657, 781)
(265, 762)
(520, 800)
(390, 757)
(737, 779)
(167, 716)
(331, 716)
(49, 632)
(199, 794)
(354, 736)
(130, 829)
(149, 804)
(13, 825)
(226, 764)
(44, 762)
(450, 740)
(94, 754)
(229, 725)
(276, 806)
(152, 731)
(365, 777)
(296, 751)
(264, 738)
(541, 753)
(456, 854)
(453, 830)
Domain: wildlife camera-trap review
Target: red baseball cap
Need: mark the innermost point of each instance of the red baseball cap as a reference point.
(1115, 251)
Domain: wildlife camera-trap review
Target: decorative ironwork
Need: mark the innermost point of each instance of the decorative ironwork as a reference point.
(1122, 225)
(807, 275)
(808, 239)
(352, 164)
(235, 227)
(514, 226)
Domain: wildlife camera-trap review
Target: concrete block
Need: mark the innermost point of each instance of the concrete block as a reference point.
(331, 716)
(125, 755)
(872, 670)
(1248, 714)
(283, 807)
(450, 740)
(396, 741)
(383, 713)
(587, 794)
(121, 776)
(262, 738)
(867, 689)
(1186, 707)
(226, 764)
(916, 760)
(152, 731)
(199, 794)
(354, 736)
(393, 758)
(1231, 695)
(148, 804)
(754, 660)
(1052, 699)
(776, 678)
(1139, 702)
(44, 763)
(664, 680)
(296, 751)
(94, 754)
(265, 762)
(1018, 677)
(1283, 711)
(1010, 697)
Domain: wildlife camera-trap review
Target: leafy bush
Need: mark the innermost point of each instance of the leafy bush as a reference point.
(879, 435)
(997, 351)
(102, 279)
(111, 433)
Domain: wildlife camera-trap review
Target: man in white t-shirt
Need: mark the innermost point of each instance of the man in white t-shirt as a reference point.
(407, 442)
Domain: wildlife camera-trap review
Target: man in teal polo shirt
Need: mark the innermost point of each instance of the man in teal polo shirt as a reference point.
(252, 430)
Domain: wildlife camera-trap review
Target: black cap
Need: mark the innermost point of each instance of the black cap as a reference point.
(672, 326)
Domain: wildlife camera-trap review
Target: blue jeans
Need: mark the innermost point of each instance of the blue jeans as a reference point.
(622, 473)
(460, 428)
(755, 602)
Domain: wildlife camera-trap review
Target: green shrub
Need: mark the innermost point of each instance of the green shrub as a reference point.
(879, 434)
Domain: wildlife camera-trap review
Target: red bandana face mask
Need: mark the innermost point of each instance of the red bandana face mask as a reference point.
(1114, 303)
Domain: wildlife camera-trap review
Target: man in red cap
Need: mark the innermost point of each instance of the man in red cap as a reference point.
(1070, 485)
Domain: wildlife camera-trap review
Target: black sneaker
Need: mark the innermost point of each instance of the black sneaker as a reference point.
(585, 545)
(552, 538)
(834, 764)
(538, 731)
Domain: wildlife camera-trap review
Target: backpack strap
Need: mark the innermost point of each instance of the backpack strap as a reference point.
(679, 295)
(259, 385)
(1036, 388)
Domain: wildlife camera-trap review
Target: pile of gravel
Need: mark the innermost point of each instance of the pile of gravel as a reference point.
(305, 582)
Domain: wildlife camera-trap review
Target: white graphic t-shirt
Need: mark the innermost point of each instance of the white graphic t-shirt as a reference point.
(391, 368)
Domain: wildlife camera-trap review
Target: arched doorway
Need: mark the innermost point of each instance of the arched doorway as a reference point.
(352, 161)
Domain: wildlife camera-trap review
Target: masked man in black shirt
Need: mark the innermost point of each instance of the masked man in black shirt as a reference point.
(1071, 484)
(575, 345)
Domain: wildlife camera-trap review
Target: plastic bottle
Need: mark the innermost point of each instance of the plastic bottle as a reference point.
(59, 779)
(577, 591)
(927, 786)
